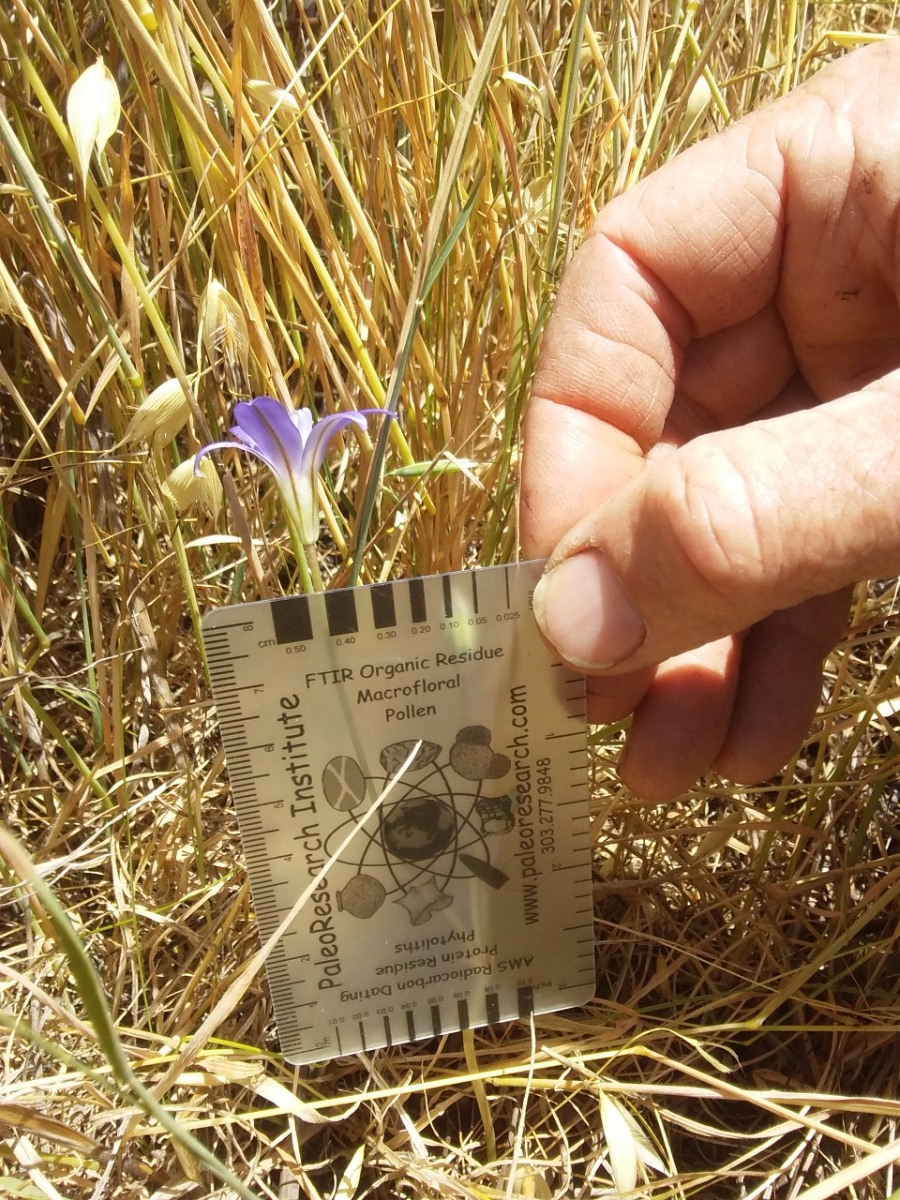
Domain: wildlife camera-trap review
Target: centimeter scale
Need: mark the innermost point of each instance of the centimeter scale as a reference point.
(463, 896)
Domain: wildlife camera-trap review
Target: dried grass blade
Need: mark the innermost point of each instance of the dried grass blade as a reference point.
(93, 997)
(564, 134)
(87, 286)
(418, 290)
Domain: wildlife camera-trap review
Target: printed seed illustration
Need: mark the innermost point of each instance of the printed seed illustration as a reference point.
(343, 783)
(394, 756)
(361, 897)
(471, 755)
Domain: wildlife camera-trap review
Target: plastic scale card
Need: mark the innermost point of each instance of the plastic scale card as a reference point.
(462, 898)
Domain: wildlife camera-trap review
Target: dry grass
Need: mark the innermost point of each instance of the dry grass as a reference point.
(748, 1004)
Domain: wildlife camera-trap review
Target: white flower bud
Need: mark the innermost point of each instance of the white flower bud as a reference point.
(184, 486)
(698, 101)
(267, 95)
(93, 109)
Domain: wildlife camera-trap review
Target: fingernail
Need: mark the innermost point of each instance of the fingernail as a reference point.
(584, 612)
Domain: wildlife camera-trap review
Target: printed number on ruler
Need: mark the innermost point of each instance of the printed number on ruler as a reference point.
(465, 899)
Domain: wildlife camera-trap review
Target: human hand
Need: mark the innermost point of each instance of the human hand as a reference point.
(714, 429)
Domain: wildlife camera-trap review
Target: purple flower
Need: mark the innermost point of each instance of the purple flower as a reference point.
(293, 448)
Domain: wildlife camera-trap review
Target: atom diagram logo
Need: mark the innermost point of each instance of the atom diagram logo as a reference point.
(434, 833)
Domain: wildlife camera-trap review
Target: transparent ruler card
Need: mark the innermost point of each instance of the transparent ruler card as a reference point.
(465, 898)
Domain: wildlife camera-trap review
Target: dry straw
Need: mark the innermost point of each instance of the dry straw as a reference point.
(346, 207)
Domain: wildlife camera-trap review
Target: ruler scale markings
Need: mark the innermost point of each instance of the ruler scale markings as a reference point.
(247, 790)
(291, 619)
(222, 668)
(283, 992)
(416, 592)
(258, 861)
(457, 893)
(448, 595)
(252, 819)
(384, 613)
(525, 997)
(282, 988)
(234, 729)
(239, 721)
(340, 608)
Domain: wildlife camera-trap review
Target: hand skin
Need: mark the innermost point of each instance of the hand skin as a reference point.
(713, 440)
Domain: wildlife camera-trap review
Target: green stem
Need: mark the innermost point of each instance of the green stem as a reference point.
(300, 554)
(311, 557)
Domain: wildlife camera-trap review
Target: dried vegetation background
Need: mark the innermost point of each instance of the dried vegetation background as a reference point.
(287, 186)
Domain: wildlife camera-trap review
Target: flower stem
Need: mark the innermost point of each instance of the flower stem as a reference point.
(305, 556)
(312, 564)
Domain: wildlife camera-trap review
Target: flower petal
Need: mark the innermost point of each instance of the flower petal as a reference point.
(204, 450)
(302, 419)
(324, 430)
(327, 427)
(266, 424)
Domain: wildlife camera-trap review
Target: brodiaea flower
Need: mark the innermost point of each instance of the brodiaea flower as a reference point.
(293, 448)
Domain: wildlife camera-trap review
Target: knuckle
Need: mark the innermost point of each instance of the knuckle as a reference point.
(721, 519)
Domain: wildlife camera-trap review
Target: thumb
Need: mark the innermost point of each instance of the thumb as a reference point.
(728, 529)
